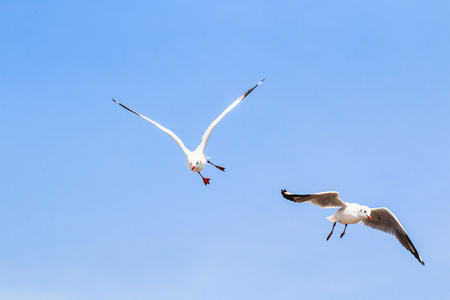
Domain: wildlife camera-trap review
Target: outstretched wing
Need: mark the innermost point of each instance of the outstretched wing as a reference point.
(325, 199)
(383, 219)
(208, 131)
(169, 132)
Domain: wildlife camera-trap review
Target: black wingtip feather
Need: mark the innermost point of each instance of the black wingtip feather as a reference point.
(251, 90)
(126, 107)
(287, 197)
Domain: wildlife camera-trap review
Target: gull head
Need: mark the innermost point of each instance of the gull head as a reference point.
(364, 212)
(196, 162)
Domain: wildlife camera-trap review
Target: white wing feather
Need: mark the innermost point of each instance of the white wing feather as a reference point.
(168, 131)
(324, 200)
(208, 131)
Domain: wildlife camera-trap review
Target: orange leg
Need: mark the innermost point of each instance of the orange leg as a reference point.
(205, 180)
(220, 168)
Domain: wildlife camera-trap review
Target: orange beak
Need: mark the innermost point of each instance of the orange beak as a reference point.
(369, 217)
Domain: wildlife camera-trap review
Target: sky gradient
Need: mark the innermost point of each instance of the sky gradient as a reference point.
(97, 203)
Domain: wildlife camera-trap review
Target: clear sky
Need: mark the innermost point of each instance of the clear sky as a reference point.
(97, 203)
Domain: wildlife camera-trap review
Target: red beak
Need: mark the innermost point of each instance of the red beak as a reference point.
(192, 169)
(369, 217)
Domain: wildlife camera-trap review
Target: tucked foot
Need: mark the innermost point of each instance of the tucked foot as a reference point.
(342, 234)
(331, 231)
(218, 167)
(328, 237)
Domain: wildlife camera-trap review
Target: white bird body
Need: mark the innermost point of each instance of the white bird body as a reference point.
(351, 213)
(196, 160)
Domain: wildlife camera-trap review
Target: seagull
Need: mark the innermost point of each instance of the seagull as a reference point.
(196, 160)
(351, 213)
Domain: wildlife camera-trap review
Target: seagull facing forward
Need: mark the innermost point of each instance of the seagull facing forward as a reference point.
(351, 213)
(196, 160)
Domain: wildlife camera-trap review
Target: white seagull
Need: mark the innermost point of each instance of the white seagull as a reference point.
(351, 213)
(196, 160)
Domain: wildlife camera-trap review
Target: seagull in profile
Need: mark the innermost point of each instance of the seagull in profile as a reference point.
(196, 160)
(351, 213)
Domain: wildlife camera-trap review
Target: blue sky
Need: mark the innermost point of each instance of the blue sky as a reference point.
(96, 203)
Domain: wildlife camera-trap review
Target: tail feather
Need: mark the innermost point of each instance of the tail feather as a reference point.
(332, 219)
